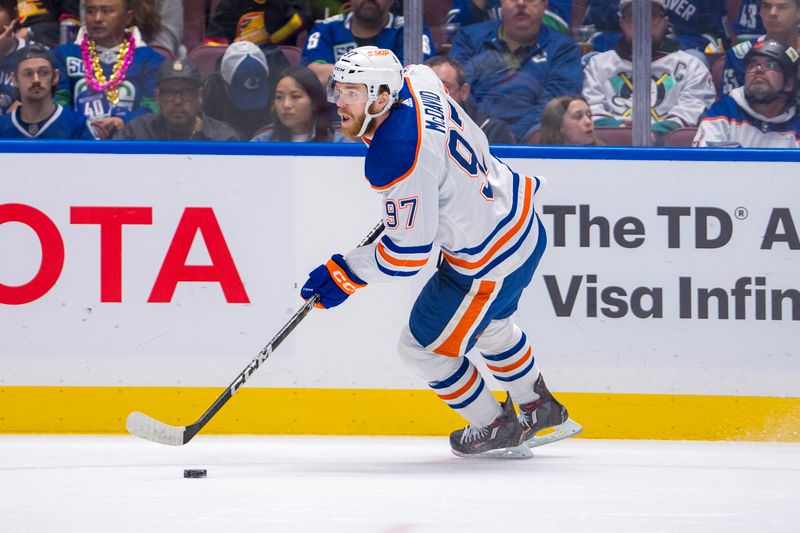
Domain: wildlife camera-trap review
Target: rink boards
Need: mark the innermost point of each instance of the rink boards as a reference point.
(666, 306)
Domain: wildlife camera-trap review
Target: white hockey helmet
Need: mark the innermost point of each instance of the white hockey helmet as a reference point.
(370, 66)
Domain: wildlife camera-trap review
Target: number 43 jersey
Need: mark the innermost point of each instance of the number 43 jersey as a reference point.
(439, 184)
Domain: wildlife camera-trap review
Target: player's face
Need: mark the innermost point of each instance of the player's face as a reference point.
(659, 23)
(293, 106)
(35, 79)
(763, 80)
(779, 16)
(522, 17)
(179, 102)
(449, 78)
(350, 99)
(106, 21)
(577, 126)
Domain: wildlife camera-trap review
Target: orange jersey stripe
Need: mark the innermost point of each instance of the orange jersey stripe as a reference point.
(452, 345)
(397, 262)
(419, 141)
(504, 239)
(509, 368)
(463, 389)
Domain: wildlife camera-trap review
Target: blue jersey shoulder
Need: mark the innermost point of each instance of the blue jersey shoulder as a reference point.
(394, 148)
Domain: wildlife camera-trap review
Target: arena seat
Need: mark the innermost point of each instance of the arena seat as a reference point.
(205, 57)
(165, 52)
(194, 23)
(680, 137)
(434, 15)
(615, 136)
(717, 69)
(292, 54)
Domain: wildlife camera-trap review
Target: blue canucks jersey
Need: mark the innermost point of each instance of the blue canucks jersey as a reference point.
(7, 89)
(747, 23)
(331, 39)
(136, 93)
(63, 123)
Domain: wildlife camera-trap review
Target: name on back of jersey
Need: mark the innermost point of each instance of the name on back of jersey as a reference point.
(433, 111)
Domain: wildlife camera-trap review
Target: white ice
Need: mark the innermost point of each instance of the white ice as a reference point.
(394, 485)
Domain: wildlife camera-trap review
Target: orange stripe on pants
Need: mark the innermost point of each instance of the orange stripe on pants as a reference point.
(451, 347)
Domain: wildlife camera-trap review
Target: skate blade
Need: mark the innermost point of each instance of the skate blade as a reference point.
(568, 429)
(516, 452)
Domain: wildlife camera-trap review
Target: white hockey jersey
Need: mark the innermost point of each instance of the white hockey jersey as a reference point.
(732, 121)
(681, 88)
(439, 184)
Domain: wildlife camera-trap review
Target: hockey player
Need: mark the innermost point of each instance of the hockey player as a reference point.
(38, 117)
(440, 185)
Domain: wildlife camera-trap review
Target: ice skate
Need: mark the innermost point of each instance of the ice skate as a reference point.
(546, 412)
(502, 439)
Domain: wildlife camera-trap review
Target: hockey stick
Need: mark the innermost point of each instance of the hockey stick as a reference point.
(147, 427)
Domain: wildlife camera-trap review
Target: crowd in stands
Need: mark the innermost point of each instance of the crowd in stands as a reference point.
(724, 72)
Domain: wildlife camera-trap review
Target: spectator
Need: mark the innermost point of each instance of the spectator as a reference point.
(762, 114)
(9, 44)
(567, 119)
(368, 23)
(260, 22)
(240, 92)
(516, 65)
(744, 20)
(110, 77)
(40, 20)
(454, 79)
(161, 23)
(696, 25)
(681, 86)
(780, 19)
(179, 93)
(38, 117)
(301, 110)
(558, 15)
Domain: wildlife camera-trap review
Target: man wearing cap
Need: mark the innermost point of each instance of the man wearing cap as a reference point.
(108, 74)
(780, 19)
(681, 88)
(516, 65)
(179, 93)
(369, 22)
(763, 113)
(38, 117)
(240, 92)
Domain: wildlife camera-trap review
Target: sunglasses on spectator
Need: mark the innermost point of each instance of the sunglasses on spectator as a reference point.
(772, 66)
(172, 94)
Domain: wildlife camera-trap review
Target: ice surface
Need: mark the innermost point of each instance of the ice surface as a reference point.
(393, 485)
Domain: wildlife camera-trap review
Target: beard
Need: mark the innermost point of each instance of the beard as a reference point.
(369, 11)
(761, 94)
(354, 126)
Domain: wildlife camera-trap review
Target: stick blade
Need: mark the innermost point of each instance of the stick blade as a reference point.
(148, 428)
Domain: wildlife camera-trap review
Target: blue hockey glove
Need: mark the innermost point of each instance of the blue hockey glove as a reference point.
(333, 281)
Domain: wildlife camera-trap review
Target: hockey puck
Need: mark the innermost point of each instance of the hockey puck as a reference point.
(194, 473)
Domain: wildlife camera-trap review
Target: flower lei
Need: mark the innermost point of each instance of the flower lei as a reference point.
(94, 71)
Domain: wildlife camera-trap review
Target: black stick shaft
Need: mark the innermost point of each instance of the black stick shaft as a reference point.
(262, 356)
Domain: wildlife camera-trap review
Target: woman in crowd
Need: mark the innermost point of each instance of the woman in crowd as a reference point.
(567, 119)
(300, 110)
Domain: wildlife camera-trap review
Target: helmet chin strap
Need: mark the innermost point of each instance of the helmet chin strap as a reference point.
(368, 117)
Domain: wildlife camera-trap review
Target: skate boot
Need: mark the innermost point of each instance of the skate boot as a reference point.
(502, 439)
(546, 412)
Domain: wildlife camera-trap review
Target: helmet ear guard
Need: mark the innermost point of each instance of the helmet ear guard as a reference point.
(372, 67)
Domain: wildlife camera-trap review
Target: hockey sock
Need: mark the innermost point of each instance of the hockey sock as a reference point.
(466, 392)
(515, 368)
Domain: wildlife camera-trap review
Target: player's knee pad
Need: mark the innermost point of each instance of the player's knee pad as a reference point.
(423, 363)
(499, 335)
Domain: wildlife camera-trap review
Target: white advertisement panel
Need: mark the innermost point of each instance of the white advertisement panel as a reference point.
(674, 277)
